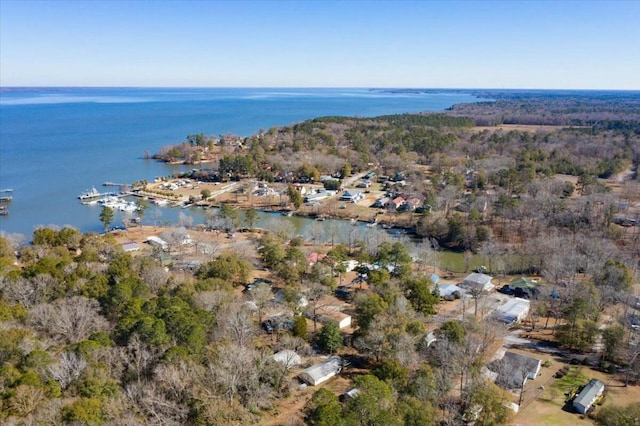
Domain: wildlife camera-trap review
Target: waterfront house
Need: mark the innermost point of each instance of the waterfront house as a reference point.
(588, 395)
(412, 203)
(350, 197)
(300, 188)
(381, 202)
(396, 203)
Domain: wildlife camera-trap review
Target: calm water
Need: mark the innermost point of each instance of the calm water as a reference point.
(58, 143)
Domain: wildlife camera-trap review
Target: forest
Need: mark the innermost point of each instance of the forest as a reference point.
(541, 185)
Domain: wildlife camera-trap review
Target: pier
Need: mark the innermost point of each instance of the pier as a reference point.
(114, 184)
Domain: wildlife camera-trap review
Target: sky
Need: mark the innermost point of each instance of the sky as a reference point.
(414, 44)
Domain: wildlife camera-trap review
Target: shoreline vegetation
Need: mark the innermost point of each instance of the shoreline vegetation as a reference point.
(221, 323)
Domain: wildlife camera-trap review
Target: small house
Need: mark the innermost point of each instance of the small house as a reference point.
(412, 203)
(350, 197)
(395, 203)
(320, 373)
(588, 395)
(327, 313)
(381, 202)
(449, 290)
(314, 258)
(478, 282)
(157, 242)
(514, 369)
(513, 311)
(524, 287)
(130, 246)
(300, 188)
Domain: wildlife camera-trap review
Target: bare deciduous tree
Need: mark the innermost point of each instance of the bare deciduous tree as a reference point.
(235, 323)
(68, 369)
(261, 295)
(69, 319)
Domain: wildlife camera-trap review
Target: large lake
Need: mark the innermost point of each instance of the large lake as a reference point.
(56, 143)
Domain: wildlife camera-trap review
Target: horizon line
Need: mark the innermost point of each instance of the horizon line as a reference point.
(320, 87)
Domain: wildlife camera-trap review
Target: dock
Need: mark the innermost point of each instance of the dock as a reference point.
(114, 184)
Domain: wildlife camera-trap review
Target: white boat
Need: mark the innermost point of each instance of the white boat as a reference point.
(110, 201)
(90, 194)
(127, 207)
(93, 194)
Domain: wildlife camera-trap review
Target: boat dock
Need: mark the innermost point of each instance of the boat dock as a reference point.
(5, 200)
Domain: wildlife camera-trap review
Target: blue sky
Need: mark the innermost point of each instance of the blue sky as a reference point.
(447, 44)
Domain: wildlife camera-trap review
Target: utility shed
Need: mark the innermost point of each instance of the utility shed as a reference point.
(588, 395)
(477, 281)
(515, 310)
(322, 372)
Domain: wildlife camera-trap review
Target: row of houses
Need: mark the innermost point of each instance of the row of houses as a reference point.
(401, 203)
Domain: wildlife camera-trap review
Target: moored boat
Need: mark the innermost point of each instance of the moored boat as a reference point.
(94, 194)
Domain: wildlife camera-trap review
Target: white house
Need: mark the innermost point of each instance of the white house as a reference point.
(588, 395)
(478, 281)
(513, 311)
(322, 372)
(333, 313)
(157, 242)
(352, 198)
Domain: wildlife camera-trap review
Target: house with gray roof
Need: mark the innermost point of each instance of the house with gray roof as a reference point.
(477, 282)
(513, 370)
(588, 395)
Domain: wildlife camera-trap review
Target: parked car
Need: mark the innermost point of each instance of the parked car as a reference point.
(505, 289)
(276, 323)
(343, 293)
